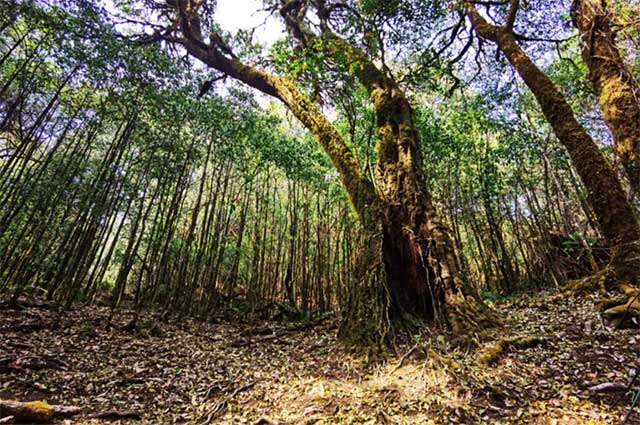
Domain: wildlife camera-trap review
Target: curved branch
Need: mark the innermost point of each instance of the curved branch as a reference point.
(360, 189)
(483, 28)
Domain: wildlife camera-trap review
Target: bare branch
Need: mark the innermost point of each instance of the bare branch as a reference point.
(521, 37)
(490, 3)
(511, 16)
(294, 12)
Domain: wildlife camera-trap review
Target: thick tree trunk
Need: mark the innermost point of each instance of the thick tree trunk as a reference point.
(406, 273)
(419, 255)
(422, 277)
(614, 213)
(617, 90)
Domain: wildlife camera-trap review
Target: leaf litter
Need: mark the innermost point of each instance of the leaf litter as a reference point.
(192, 372)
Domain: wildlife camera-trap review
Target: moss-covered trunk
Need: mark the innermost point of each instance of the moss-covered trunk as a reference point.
(419, 260)
(406, 273)
(419, 254)
(617, 90)
(614, 213)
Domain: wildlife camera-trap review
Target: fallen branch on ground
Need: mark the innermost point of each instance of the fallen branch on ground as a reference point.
(596, 281)
(492, 353)
(404, 357)
(41, 412)
(623, 310)
(608, 387)
(617, 308)
(32, 326)
(33, 363)
(36, 411)
(220, 407)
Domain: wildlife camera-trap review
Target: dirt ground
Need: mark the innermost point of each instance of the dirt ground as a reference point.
(291, 373)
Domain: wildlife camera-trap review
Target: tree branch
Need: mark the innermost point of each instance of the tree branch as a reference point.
(480, 24)
(511, 16)
(359, 188)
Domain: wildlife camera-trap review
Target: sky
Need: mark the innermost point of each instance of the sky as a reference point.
(232, 15)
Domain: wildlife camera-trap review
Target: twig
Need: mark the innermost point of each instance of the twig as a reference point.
(633, 381)
(221, 406)
(633, 404)
(404, 357)
(240, 389)
(19, 345)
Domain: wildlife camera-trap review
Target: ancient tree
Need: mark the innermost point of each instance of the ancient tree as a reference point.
(407, 269)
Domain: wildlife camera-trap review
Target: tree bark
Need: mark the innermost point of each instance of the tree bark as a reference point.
(36, 411)
(421, 271)
(617, 90)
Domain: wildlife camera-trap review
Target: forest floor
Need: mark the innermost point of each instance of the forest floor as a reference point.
(288, 373)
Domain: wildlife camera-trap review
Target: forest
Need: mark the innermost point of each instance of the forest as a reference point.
(319, 211)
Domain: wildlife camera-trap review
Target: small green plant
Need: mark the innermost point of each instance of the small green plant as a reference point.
(489, 296)
(576, 240)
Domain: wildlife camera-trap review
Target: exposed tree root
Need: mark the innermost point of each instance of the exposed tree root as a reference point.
(368, 324)
(597, 281)
(443, 360)
(492, 353)
(617, 308)
(467, 315)
(35, 412)
(365, 324)
(621, 311)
